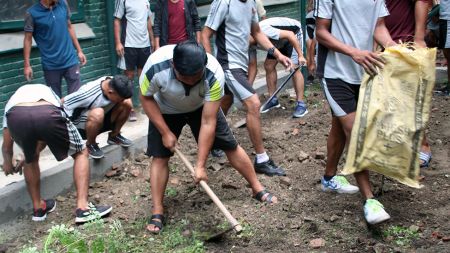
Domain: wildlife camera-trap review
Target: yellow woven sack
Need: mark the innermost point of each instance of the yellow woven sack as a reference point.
(393, 111)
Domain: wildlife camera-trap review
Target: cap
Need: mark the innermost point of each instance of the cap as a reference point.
(189, 57)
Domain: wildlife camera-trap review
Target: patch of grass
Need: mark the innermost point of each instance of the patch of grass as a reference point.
(173, 168)
(171, 192)
(93, 237)
(247, 230)
(402, 236)
(174, 241)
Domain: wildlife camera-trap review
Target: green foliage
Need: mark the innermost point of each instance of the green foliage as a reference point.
(174, 241)
(99, 237)
(402, 236)
(93, 237)
(171, 192)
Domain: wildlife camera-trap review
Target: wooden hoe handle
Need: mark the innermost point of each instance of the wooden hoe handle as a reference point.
(234, 223)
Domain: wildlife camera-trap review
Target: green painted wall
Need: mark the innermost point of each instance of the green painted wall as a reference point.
(96, 51)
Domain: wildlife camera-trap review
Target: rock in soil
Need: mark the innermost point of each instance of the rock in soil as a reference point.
(319, 155)
(215, 167)
(302, 156)
(60, 199)
(230, 185)
(111, 173)
(317, 243)
(285, 181)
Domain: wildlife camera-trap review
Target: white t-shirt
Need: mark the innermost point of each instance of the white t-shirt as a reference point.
(31, 93)
(353, 23)
(134, 15)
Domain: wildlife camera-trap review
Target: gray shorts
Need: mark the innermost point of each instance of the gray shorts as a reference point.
(47, 123)
(53, 78)
(237, 83)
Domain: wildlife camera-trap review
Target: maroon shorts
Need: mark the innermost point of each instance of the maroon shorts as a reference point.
(46, 123)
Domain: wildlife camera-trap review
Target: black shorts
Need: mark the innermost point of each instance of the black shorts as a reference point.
(108, 125)
(47, 123)
(224, 138)
(286, 50)
(136, 57)
(342, 96)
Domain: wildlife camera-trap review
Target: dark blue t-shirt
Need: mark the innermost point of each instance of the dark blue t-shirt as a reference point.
(50, 31)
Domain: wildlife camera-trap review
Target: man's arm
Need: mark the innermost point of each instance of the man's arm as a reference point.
(367, 59)
(207, 33)
(150, 33)
(381, 34)
(265, 43)
(27, 70)
(206, 138)
(153, 112)
(119, 46)
(7, 152)
(74, 38)
(290, 36)
(420, 15)
(310, 53)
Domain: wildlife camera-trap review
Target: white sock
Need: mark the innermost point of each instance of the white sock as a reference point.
(260, 158)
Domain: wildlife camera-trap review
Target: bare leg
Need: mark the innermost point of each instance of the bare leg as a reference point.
(252, 70)
(241, 162)
(159, 175)
(33, 179)
(299, 85)
(226, 103)
(271, 75)
(447, 56)
(81, 178)
(120, 115)
(94, 124)
(252, 105)
(335, 146)
(362, 178)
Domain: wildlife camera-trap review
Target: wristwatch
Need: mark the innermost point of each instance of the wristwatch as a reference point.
(271, 51)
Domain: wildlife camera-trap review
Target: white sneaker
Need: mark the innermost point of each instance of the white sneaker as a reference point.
(374, 212)
(338, 184)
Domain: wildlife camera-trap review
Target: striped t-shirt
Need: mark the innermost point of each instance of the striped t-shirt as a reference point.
(158, 80)
(89, 96)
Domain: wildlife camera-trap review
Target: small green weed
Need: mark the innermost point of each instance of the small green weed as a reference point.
(402, 236)
(171, 192)
(173, 168)
(247, 230)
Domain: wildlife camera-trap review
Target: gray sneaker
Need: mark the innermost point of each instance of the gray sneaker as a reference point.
(119, 140)
(95, 151)
(269, 168)
(300, 110)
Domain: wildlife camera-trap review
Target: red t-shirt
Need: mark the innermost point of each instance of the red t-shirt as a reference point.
(177, 22)
(401, 21)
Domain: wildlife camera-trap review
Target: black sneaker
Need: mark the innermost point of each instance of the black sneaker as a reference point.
(95, 151)
(119, 140)
(41, 214)
(217, 153)
(92, 213)
(269, 168)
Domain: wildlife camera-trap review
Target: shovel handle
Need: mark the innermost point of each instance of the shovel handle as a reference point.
(234, 223)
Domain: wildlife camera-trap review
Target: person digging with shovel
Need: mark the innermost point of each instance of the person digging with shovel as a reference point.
(182, 84)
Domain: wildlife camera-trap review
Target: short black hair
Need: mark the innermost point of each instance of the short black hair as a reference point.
(122, 85)
(189, 57)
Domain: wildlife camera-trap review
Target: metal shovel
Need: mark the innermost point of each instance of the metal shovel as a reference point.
(264, 106)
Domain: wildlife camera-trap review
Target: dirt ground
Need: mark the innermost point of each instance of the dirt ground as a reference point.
(304, 212)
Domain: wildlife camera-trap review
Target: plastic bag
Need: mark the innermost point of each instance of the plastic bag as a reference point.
(393, 111)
